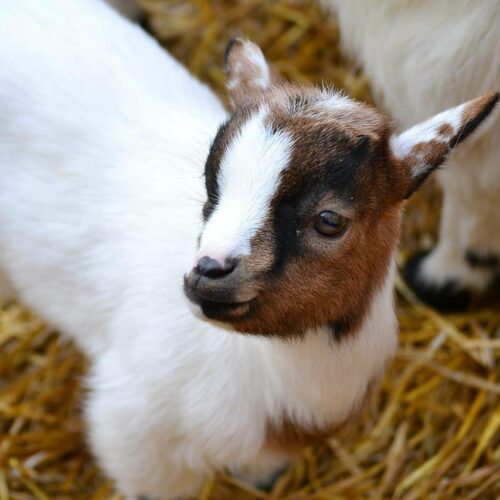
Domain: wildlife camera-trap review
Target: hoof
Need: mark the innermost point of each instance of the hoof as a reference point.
(447, 296)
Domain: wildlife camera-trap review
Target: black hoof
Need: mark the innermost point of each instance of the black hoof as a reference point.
(447, 297)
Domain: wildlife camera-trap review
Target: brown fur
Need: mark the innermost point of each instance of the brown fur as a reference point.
(445, 130)
(325, 281)
(341, 161)
(342, 274)
(314, 291)
(478, 106)
(474, 114)
(430, 153)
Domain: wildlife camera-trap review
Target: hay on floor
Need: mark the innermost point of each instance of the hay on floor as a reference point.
(433, 430)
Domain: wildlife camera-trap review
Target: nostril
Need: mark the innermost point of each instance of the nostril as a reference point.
(212, 268)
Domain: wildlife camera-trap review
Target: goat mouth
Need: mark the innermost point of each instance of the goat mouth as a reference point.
(224, 308)
(226, 311)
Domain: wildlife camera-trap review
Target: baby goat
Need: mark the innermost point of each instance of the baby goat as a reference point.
(423, 57)
(103, 142)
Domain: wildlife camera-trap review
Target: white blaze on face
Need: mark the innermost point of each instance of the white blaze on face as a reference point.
(248, 178)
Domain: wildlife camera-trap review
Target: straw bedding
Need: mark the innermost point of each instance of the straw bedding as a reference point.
(433, 429)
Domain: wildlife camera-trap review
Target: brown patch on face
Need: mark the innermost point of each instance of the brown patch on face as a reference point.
(332, 288)
(340, 161)
(289, 437)
(306, 280)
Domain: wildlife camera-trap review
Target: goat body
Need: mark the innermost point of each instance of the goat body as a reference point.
(104, 138)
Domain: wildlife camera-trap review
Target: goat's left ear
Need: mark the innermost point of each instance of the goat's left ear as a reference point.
(247, 71)
(427, 145)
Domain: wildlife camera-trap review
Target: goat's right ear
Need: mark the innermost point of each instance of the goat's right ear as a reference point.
(424, 147)
(247, 71)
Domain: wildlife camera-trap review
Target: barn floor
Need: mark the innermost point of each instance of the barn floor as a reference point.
(433, 429)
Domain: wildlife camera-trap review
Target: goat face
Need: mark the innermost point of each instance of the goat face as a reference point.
(305, 189)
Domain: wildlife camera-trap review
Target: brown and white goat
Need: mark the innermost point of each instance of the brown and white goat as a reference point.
(292, 283)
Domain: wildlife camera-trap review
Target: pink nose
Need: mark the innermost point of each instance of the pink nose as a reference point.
(212, 268)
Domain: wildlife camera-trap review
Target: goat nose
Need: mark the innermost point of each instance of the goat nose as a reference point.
(211, 268)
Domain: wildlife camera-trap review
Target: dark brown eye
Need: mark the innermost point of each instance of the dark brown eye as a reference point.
(330, 223)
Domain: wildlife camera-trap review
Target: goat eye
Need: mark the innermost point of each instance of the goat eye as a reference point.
(330, 223)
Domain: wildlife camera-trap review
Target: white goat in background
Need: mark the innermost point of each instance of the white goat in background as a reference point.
(104, 142)
(421, 57)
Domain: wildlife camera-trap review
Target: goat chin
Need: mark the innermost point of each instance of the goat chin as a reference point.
(422, 57)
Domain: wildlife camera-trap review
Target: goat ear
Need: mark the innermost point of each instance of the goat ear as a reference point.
(424, 147)
(247, 71)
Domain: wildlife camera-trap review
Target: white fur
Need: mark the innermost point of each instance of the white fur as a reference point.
(248, 178)
(203, 398)
(423, 57)
(257, 58)
(103, 142)
(335, 101)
